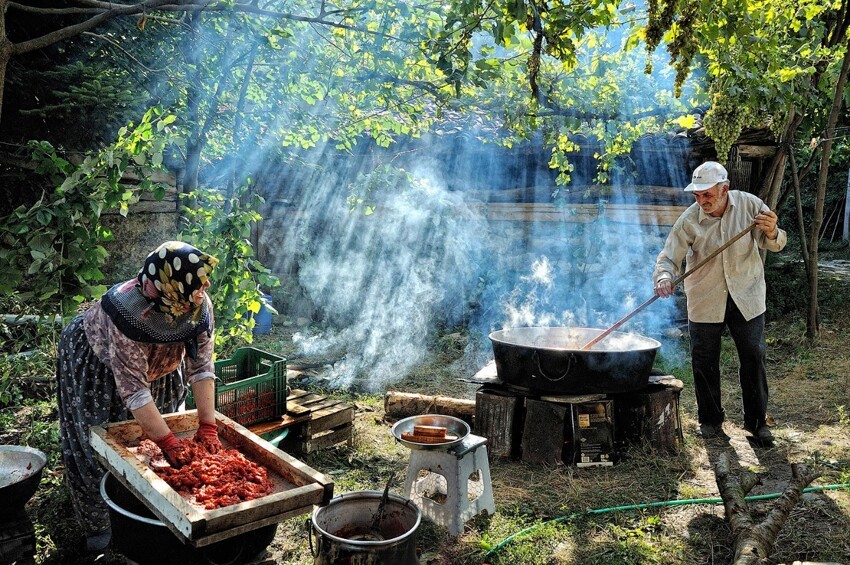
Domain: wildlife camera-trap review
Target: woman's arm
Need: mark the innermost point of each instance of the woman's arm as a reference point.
(151, 421)
(203, 392)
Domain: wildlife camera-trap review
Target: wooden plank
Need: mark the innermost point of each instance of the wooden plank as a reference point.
(297, 486)
(646, 214)
(285, 421)
(345, 433)
(329, 418)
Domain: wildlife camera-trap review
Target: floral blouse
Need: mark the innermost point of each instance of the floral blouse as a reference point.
(135, 363)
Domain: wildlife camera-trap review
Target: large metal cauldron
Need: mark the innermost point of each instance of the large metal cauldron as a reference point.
(346, 534)
(551, 360)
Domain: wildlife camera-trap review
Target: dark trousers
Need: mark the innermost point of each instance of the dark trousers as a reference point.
(705, 360)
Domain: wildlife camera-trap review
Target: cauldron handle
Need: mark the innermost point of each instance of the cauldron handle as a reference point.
(570, 359)
(318, 549)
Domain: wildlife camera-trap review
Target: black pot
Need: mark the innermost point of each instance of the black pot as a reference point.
(141, 537)
(550, 360)
(20, 474)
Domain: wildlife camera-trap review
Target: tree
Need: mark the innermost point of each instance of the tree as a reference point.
(769, 63)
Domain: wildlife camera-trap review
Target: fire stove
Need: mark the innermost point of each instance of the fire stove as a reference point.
(17, 539)
(591, 429)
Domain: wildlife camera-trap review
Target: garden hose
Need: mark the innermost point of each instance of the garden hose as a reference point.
(641, 506)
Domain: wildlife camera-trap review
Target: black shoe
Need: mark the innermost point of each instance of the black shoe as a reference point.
(710, 430)
(762, 435)
(98, 542)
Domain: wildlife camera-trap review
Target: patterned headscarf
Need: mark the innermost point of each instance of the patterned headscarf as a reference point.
(174, 278)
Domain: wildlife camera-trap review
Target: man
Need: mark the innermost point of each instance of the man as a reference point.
(728, 291)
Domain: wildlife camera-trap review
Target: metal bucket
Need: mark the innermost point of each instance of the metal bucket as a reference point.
(142, 538)
(344, 535)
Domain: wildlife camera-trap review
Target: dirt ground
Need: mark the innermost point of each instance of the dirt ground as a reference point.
(810, 413)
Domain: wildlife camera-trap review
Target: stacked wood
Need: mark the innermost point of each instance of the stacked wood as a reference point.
(404, 404)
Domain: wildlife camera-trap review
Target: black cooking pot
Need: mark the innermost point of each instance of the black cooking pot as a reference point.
(142, 537)
(20, 473)
(550, 360)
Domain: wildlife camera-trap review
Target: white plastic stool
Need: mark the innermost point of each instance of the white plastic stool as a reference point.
(447, 493)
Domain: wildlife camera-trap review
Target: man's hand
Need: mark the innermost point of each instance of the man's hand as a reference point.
(664, 288)
(766, 222)
(207, 435)
(173, 450)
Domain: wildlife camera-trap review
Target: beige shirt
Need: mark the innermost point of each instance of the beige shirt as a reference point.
(737, 272)
(135, 364)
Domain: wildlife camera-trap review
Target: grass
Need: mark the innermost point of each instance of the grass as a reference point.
(810, 407)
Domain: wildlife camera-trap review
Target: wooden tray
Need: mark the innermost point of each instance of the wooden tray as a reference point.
(297, 486)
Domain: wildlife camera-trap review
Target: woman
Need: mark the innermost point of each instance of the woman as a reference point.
(132, 353)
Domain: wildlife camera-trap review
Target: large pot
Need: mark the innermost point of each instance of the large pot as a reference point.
(345, 531)
(143, 539)
(551, 360)
(20, 474)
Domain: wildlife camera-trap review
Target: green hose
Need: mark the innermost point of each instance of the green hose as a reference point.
(683, 502)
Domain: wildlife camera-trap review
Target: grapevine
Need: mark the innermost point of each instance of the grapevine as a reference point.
(660, 14)
(684, 46)
(724, 123)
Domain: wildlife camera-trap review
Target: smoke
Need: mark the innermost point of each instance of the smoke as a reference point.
(396, 249)
(395, 257)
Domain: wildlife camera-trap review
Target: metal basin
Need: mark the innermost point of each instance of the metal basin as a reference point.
(454, 426)
(20, 473)
(552, 360)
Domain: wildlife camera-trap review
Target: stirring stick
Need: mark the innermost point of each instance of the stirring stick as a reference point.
(682, 277)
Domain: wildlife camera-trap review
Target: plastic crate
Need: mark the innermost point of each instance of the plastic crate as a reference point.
(248, 362)
(252, 386)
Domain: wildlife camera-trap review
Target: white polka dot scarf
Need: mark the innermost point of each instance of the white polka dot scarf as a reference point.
(175, 277)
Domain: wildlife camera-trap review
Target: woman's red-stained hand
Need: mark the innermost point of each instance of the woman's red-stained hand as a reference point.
(207, 435)
(173, 450)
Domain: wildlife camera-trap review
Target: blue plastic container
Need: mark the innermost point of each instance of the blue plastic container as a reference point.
(263, 318)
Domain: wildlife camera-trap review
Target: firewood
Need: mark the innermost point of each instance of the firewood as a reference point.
(434, 431)
(754, 541)
(410, 436)
(404, 404)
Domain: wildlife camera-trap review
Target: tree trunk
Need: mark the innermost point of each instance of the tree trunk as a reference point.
(845, 232)
(5, 51)
(813, 316)
(754, 542)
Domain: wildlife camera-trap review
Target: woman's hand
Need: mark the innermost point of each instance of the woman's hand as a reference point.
(173, 450)
(207, 435)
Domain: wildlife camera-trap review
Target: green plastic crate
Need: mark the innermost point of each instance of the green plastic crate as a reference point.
(252, 386)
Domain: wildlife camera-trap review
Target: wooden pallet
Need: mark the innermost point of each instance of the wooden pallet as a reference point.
(314, 422)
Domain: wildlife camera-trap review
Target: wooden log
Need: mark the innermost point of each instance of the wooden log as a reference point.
(754, 541)
(544, 433)
(405, 404)
(651, 415)
(498, 417)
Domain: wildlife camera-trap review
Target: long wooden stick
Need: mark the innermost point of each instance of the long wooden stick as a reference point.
(676, 281)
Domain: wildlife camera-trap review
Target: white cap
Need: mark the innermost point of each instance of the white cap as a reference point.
(707, 175)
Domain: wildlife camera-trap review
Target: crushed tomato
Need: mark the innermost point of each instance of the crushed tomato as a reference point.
(213, 481)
